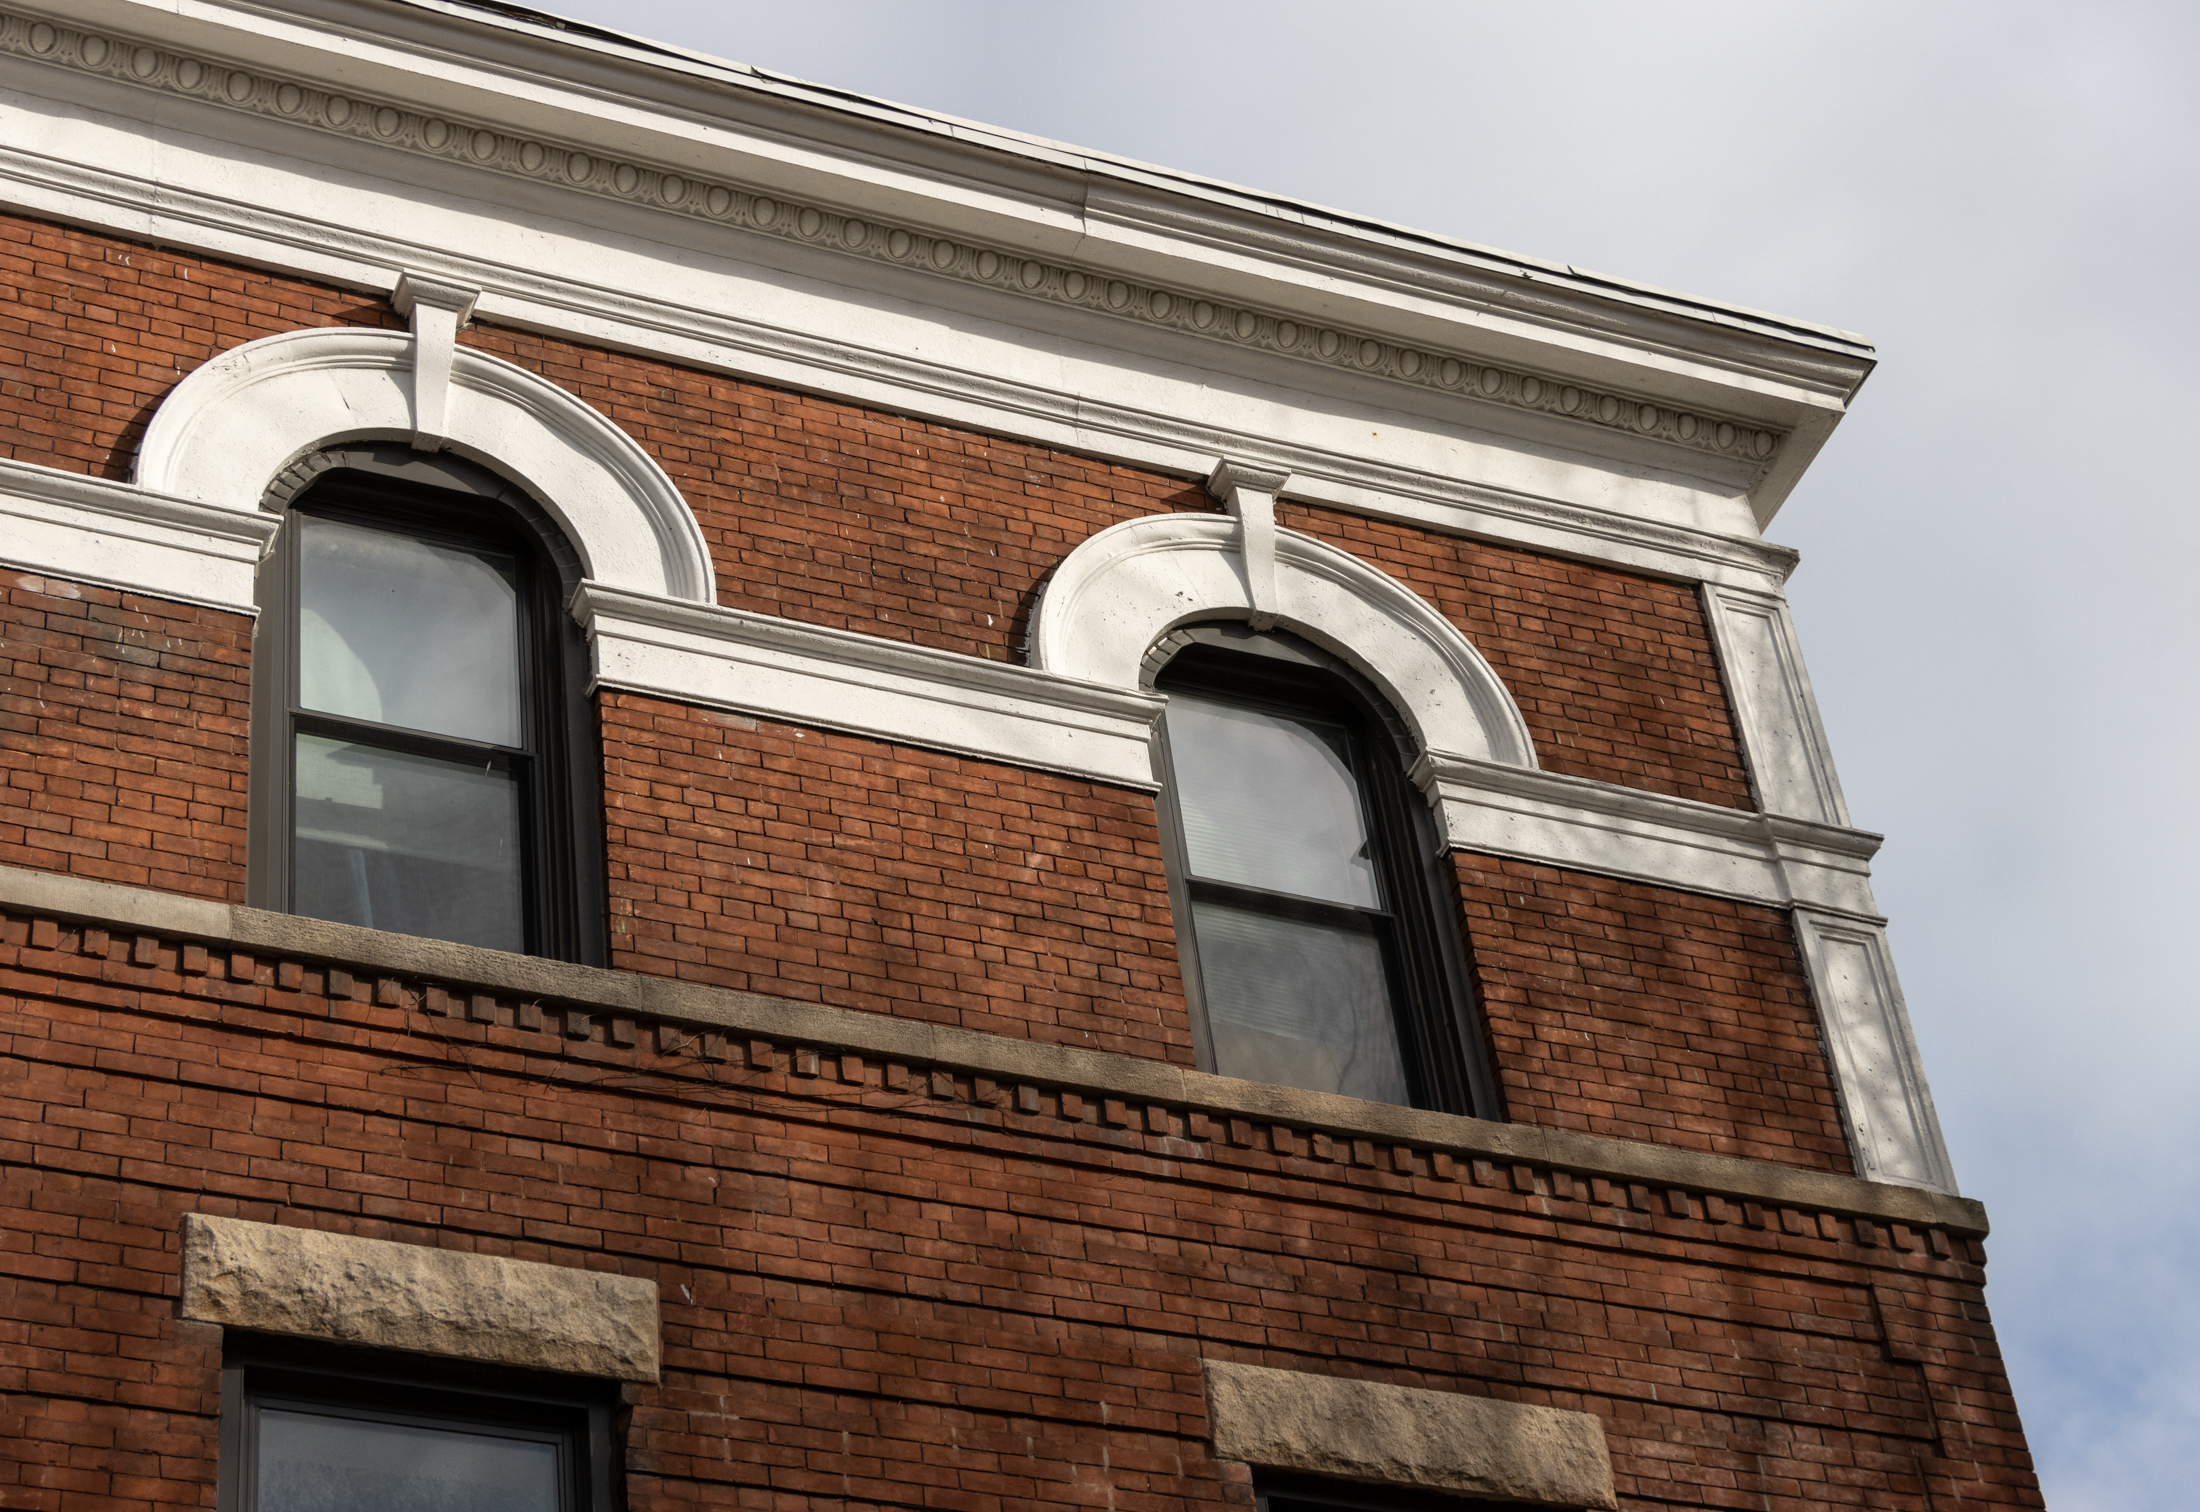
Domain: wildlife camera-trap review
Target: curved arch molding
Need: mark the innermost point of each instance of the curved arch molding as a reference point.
(1128, 586)
(224, 433)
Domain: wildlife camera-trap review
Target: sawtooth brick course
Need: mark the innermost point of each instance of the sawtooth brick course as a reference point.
(123, 725)
(1615, 673)
(873, 1299)
(1641, 1012)
(831, 868)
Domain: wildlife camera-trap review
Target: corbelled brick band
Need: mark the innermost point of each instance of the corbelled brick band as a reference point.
(868, 1244)
(1642, 1012)
(123, 723)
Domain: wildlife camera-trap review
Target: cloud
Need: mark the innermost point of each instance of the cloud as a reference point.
(1996, 597)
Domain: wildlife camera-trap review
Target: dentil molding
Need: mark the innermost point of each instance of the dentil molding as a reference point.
(666, 191)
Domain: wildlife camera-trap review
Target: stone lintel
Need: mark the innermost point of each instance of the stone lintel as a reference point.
(315, 1285)
(1402, 1436)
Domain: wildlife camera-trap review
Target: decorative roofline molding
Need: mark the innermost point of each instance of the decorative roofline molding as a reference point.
(714, 340)
(666, 190)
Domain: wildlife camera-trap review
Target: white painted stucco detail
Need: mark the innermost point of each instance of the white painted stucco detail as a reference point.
(1783, 739)
(1894, 1132)
(840, 680)
(89, 529)
(1556, 820)
(1125, 588)
(225, 432)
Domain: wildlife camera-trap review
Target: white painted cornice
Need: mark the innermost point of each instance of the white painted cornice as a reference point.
(1438, 485)
(1583, 825)
(841, 680)
(123, 536)
(1163, 255)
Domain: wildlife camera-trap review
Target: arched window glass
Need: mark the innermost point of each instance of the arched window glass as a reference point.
(1306, 881)
(417, 693)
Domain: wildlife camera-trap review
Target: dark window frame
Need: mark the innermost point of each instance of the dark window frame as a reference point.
(1440, 1035)
(451, 502)
(582, 1415)
(1274, 1492)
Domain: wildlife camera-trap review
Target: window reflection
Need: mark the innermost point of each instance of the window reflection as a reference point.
(311, 1462)
(406, 632)
(1287, 910)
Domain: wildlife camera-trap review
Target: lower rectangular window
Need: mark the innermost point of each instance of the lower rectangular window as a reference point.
(1280, 1493)
(321, 1428)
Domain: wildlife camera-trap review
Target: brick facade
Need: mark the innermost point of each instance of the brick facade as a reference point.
(835, 515)
(832, 868)
(123, 724)
(1614, 672)
(1641, 1012)
(887, 1285)
(890, 1284)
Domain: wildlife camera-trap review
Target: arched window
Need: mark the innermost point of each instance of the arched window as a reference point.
(423, 761)
(1321, 947)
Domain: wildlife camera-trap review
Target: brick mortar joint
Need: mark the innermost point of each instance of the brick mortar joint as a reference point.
(580, 996)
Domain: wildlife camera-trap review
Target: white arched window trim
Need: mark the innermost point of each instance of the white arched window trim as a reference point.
(226, 432)
(1122, 591)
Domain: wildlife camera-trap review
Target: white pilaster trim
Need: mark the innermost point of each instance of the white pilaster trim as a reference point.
(1583, 825)
(233, 424)
(1894, 1132)
(1783, 739)
(1248, 494)
(88, 529)
(840, 680)
(439, 311)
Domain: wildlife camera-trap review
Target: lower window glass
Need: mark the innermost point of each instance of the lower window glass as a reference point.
(325, 1428)
(417, 844)
(1299, 1002)
(324, 1462)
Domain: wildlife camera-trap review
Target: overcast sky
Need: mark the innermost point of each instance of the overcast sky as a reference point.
(1994, 595)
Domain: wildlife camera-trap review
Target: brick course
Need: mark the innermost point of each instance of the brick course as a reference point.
(1640, 1012)
(1615, 673)
(123, 725)
(831, 514)
(894, 1286)
(832, 868)
(94, 332)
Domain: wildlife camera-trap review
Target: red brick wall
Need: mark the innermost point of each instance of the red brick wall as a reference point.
(123, 724)
(1614, 673)
(836, 515)
(891, 1286)
(830, 514)
(1646, 1013)
(95, 331)
(833, 868)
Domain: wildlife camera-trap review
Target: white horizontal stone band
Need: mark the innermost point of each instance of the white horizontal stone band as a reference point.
(1648, 837)
(314, 1285)
(141, 540)
(1403, 1436)
(839, 680)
